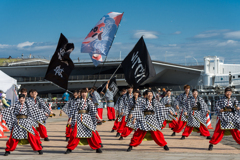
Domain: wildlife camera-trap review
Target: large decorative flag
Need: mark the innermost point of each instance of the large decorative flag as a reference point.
(99, 40)
(61, 65)
(137, 66)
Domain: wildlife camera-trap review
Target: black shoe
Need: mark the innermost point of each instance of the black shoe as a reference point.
(101, 145)
(112, 130)
(209, 137)
(99, 123)
(6, 153)
(118, 134)
(129, 149)
(98, 150)
(113, 119)
(183, 137)
(68, 151)
(173, 134)
(67, 138)
(166, 148)
(41, 146)
(200, 134)
(210, 147)
(171, 128)
(46, 139)
(40, 152)
(121, 138)
(109, 120)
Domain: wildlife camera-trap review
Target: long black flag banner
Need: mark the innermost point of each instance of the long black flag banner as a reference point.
(61, 65)
(112, 85)
(137, 66)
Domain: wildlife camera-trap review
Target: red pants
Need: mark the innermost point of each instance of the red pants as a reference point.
(98, 136)
(122, 125)
(93, 142)
(219, 133)
(126, 131)
(100, 111)
(33, 140)
(42, 131)
(139, 135)
(180, 125)
(68, 130)
(172, 124)
(203, 130)
(116, 124)
(111, 113)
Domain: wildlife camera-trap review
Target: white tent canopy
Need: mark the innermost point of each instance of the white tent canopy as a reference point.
(8, 85)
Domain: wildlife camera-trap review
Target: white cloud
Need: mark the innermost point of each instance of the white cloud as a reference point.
(234, 34)
(228, 43)
(177, 32)
(145, 34)
(172, 45)
(206, 35)
(25, 44)
(4, 45)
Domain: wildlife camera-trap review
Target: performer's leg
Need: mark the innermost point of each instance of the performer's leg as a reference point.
(34, 142)
(173, 124)
(137, 138)
(100, 141)
(158, 138)
(100, 112)
(126, 131)
(164, 124)
(217, 135)
(113, 112)
(37, 135)
(68, 130)
(179, 127)
(11, 143)
(122, 125)
(94, 141)
(73, 142)
(109, 114)
(204, 131)
(236, 135)
(187, 131)
(116, 125)
(42, 131)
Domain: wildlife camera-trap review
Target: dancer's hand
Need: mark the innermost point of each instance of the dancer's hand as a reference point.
(171, 113)
(185, 113)
(130, 116)
(221, 110)
(121, 113)
(237, 108)
(134, 120)
(177, 107)
(69, 121)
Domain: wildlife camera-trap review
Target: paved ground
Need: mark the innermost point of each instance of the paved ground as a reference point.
(193, 147)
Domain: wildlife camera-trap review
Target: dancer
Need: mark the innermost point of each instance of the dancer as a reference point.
(110, 103)
(20, 120)
(149, 120)
(228, 120)
(83, 120)
(196, 111)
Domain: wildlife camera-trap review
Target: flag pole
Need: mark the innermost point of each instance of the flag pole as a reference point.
(59, 86)
(112, 76)
(108, 50)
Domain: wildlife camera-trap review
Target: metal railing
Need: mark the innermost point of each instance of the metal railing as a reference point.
(71, 78)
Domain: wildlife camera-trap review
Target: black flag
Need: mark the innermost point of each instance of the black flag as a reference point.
(112, 84)
(61, 65)
(137, 66)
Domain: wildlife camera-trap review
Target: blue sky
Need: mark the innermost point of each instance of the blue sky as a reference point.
(173, 29)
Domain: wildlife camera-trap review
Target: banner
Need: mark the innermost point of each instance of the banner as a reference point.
(99, 40)
(61, 65)
(137, 66)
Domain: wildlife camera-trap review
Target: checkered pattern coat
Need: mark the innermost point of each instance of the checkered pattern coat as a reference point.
(21, 127)
(109, 97)
(124, 106)
(183, 104)
(173, 102)
(136, 111)
(195, 117)
(86, 123)
(151, 122)
(68, 105)
(229, 120)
